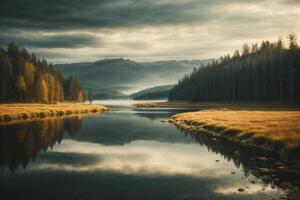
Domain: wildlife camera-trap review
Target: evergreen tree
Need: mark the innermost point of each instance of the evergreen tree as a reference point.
(270, 72)
(90, 96)
(6, 74)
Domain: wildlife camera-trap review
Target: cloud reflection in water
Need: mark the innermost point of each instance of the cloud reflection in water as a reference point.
(153, 158)
(145, 158)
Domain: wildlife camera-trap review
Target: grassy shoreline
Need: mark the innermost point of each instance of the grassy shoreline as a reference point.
(25, 111)
(268, 126)
(256, 128)
(219, 105)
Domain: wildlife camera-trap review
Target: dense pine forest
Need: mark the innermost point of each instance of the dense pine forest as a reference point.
(25, 78)
(269, 72)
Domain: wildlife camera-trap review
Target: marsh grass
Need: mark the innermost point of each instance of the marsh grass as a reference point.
(22, 111)
(258, 126)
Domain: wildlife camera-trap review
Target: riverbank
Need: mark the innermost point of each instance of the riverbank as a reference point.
(24, 111)
(219, 105)
(270, 126)
(267, 129)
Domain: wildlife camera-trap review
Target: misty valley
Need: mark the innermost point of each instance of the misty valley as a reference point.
(124, 78)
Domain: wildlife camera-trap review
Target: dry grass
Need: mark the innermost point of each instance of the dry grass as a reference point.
(277, 126)
(231, 105)
(24, 111)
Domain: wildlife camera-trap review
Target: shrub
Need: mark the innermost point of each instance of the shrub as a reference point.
(43, 114)
(68, 112)
(7, 117)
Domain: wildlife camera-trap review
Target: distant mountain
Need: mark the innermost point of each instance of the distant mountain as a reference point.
(127, 76)
(106, 93)
(159, 92)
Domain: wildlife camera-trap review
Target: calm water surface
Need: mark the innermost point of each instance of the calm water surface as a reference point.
(126, 154)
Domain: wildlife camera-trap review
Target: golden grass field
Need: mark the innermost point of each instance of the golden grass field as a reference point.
(231, 105)
(23, 111)
(279, 125)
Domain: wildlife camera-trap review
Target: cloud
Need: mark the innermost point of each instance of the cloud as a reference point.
(65, 14)
(290, 1)
(144, 29)
(37, 40)
(142, 158)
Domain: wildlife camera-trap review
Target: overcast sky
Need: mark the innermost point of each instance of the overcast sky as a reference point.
(143, 30)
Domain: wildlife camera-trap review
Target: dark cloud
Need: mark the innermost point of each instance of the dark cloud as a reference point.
(65, 14)
(83, 14)
(53, 14)
(78, 14)
(141, 28)
(48, 41)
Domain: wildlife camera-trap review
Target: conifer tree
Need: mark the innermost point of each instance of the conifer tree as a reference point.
(269, 72)
(5, 74)
(90, 96)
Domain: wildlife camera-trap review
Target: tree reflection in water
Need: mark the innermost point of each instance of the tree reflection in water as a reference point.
(21, 142)
(278, 170)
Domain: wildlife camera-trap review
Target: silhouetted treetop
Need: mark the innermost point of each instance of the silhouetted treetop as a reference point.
(269, 72)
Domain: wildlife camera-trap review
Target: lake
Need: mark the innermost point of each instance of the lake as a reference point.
(129, 154)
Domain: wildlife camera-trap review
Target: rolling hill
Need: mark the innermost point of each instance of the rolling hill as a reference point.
(123, 76)
(158, 92)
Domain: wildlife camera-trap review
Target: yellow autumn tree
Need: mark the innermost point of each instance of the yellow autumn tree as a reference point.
(21, 87)
(56, 91)
(28, 72)
(42, 90)
(61, 95)
(80, 96)
(50, 83)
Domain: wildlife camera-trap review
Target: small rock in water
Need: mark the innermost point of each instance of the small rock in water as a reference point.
(273, 187)
(281, 167)
(282, 198)
(237, 153)
(263, 169)
(262, 158)
(241, 189)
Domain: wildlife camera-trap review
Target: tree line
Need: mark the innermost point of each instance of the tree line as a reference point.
(25, 78)
(266, 72)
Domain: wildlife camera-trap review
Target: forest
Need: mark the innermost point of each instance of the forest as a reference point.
(25, 78)
(266, 72)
